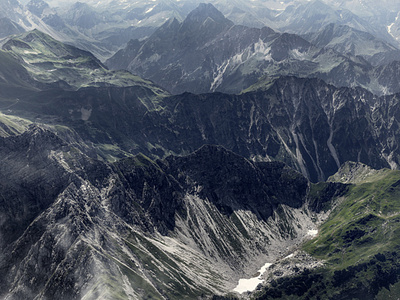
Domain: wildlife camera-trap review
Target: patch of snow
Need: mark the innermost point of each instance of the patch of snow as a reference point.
(252, 110)
(312, 232)
(315, 163)
(389, 28)
(260, 46)
(154, 58)
(85, 113)
(286, 146)
(249, 285)
(30, 52)
(321, 173)
(150, 9)
(127, 287)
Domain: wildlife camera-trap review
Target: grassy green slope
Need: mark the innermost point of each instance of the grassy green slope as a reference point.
(15, 80)
(53, 63)
(47, 82)
(364, 224)
(11, 125)
(359, 243)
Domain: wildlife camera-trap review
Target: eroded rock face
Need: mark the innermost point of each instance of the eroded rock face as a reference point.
(309, 125)
(75, 227)
(29, 180)
(234, 183)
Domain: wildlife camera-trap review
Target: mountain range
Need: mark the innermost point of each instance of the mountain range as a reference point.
(207, 52)
(230, 148)
(104, 27)
(310, 125)
(139, 228)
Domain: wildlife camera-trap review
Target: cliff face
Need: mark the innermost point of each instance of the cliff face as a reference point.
(233, 183)
(75, 227)
(311, 126)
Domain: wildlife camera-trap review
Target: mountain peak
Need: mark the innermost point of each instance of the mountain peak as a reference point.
(37, 7)
(24, 40)
(35, 34)
(206, 11)
(78, 5)
(170, 23)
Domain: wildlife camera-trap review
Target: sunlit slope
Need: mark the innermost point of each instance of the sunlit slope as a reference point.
(359, 243)
(55, 64)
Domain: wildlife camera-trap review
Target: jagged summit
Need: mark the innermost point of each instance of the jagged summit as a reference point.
(37, 7)
(207, 53)
(82, 15)
(170, 26)
(8, 8)
(170, 22)
(205, 11)
(154, 218)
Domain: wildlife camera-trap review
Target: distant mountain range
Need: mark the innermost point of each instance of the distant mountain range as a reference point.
(104, 27)
(352, 42)
(207, 52)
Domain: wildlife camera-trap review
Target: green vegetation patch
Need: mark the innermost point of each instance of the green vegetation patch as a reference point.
(11, 125)
(359, 243)
(363, 225)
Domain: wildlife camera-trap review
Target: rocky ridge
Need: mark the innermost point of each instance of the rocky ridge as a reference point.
(206, 52)
(76, 227)
(306, 123)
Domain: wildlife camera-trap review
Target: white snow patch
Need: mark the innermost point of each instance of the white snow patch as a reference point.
(263, 49)
(250, 285)
(127, 287)
(154, 58)
(150, 9)
(30, 52)
(85, 113)
(389, 28)
(312, 232)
